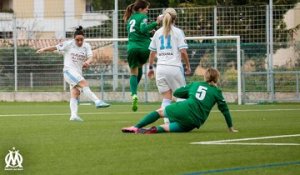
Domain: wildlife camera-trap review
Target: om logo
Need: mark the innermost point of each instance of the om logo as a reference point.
(13, 160)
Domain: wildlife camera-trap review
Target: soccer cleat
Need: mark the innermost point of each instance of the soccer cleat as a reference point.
(134, 103)
(131, 129)
(151, 130)
(76, 118)
(101, 104)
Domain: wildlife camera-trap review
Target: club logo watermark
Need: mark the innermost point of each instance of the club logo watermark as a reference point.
(13, 160)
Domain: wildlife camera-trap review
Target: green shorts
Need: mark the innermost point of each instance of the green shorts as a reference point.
(184, 122)
(137, 57)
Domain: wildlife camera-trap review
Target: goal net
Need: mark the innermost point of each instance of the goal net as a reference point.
(110, 75)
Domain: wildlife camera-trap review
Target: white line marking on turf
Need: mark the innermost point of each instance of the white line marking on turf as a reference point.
(239, 143)
(63, 114)
(113, 113)
(229, 141)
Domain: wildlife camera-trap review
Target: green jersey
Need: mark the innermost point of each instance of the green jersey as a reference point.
(200, 99)
(139, 31)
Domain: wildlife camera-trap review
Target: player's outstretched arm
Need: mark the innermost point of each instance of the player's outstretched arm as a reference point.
(182, 92)
(145, 28)
(51, 48)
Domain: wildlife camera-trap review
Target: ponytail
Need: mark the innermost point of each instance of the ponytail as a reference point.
(167, 22)
(78, 31)
(128, 12)
(138, 4)
(169, 18)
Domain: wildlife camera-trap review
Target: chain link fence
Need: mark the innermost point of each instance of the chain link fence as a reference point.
(21, 69)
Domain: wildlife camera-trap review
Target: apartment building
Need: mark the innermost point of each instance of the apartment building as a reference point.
(38, 19)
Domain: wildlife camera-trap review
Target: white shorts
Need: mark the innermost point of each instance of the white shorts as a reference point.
(72, 77)
(169, 77)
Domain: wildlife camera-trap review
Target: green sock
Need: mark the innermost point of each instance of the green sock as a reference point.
(150, 118)
(160, 129)
(139, 77)
(133, 84)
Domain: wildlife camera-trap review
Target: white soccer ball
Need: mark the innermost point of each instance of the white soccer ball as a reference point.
(161, 16)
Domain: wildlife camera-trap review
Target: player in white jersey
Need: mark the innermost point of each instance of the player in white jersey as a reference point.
(169, 46)
(77, 55)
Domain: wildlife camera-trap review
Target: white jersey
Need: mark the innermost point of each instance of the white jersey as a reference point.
(168, 48)
(74, 56)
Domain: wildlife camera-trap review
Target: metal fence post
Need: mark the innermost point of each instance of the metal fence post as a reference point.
(268, 45)
(102, 85)
(123, 87)
(116, 51)
(146, 83)
(270, 62)
(31, 80)
(297, 84)
(215, 34)
(243, 77)
(64, 25)
(15, 51)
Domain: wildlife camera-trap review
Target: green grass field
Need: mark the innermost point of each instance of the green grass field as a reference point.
(51, 144)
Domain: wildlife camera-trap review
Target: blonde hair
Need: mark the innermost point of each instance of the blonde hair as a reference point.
(168, 20)
(212, 75)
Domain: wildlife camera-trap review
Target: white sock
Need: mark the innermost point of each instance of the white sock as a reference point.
(88, 93)
(74, 106)
(165, 102)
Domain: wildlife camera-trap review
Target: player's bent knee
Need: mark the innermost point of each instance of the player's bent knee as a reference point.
(83, 83)
(160, 112)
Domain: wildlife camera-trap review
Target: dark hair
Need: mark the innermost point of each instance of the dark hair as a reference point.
(78, 31)
(139, 4)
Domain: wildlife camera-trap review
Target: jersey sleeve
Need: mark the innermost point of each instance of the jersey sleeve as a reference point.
(181, 40)
(222, 106)
(182, 92)
(152, 45)
(63, 46)
(145, 27)
(89, 52)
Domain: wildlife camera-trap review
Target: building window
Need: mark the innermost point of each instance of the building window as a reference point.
(5, 6)
(88, 6)
(6, 35)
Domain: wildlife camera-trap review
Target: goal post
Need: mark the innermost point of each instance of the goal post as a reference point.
(238, 57)
(204, 44)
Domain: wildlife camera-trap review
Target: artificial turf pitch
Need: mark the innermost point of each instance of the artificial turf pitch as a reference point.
(50, 144)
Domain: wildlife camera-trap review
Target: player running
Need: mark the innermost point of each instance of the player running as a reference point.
(138, 42)
(169, 46)
(77, 55)
(191, 113)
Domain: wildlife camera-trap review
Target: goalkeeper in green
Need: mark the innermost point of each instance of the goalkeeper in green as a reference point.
(139, 33)
(186, 115)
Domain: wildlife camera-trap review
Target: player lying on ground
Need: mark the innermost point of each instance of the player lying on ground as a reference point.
(77, 55)
(186, 115)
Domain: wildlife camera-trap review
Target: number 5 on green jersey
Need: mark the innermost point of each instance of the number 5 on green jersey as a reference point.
(201, 92)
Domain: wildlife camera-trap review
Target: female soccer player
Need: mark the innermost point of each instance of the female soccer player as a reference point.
(169, 46)
(138, 42)
(77, 55)
(186, 115)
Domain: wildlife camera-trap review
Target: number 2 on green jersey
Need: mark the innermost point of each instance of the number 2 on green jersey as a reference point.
(132, 24)
(201, 92)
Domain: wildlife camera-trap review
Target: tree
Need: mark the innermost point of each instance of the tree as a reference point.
(122, 4)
